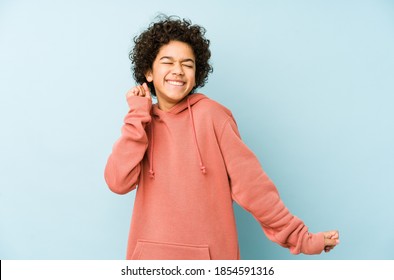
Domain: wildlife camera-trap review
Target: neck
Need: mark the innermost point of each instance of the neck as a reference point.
(166, 105)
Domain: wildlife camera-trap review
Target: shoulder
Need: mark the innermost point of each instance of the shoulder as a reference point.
(210, 113)
(212, 108)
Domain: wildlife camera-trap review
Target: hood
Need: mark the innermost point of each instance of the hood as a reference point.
(185, 104)
(191, 99)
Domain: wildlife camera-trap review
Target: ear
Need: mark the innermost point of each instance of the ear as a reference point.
(149, 76)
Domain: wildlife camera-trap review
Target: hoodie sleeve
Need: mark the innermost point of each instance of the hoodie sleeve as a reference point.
(253, 190)
(124, 164)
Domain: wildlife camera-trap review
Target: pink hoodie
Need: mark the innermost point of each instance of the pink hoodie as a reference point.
(190, 164)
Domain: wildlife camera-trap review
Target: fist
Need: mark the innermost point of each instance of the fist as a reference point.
(331, 239)
(140, 90)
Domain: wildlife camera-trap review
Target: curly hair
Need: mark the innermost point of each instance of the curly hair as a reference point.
(166, 29)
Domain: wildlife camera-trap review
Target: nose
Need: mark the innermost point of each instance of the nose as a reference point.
(177, 70)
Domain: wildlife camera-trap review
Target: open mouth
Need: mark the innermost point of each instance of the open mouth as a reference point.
(175, 83)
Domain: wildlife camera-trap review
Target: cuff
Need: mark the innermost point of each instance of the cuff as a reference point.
(312, 243)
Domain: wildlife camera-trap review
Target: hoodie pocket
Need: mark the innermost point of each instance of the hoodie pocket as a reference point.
(151, 250)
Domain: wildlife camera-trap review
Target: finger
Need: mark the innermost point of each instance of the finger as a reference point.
(328, 249)
(331, 234)
(147, 90)
(142, 90)
(130, 92)
(331, 242)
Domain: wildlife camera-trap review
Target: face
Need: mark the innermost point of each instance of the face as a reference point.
(173, 73)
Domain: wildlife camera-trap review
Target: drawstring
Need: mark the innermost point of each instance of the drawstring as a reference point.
(151, 172)
(202, 166)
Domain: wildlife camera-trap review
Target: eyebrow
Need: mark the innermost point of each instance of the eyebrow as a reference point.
(182, 60)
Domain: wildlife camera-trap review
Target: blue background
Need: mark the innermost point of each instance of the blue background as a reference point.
(310, 83)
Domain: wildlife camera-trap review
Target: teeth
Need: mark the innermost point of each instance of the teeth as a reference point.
(175, 83)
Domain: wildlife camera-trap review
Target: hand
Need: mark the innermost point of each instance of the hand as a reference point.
(140, 90)
(331, 239)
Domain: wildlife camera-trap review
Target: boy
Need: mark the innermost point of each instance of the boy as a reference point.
(186, 156)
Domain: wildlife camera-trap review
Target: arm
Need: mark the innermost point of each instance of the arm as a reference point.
(253, 190)
(124, 164)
